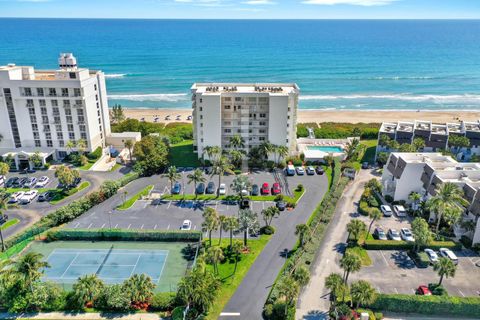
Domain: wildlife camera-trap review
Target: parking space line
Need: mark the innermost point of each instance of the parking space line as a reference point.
(145, 205)
(169, 204)
(461, 292)
(396, 291)
(195, 227)
(103, 225)
(89, 226)
(129, 226)
(76, 226)
(168, 227)
(141, 227)
(155, 228)
(116, 226)
(384, 259)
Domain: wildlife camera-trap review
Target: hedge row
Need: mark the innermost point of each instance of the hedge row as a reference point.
(122, 235)
(431, 305)
(404, 245)
(71, 211)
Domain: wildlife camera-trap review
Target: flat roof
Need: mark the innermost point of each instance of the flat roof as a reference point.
(220, 87)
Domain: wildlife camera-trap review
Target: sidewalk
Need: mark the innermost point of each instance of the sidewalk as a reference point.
(80, 316)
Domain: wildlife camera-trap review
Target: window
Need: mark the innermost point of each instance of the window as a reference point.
(83, 135)
(82, 128)
(70, 127)
(98, 113)
(56, 119)
(80, 112)
(201, 117)
(81, 119)
(33, 119)
(42, 103)
(72, 75)
(77, 92)
(40, 92)
(43, 110)
(48, 135)
(201, 125)
(61, 143)
(69, 119)
(263, 115)
(46, 128)
(36, 135)
(55, 111)
(29, 103)
(64, 92)
(95, 86)
(28, 92)
(68, 112)
(37, 143)
(71, 135)
(34, 127)
(261, 138)
(58, 127)
(31, 111)
(52, 92)
(49, 143)
(54, 103)
(78, 102)
(201, 108)
(262, 123)
(262, 131)
(96, 97)
(228, 130)
(238, 99)
(227, 107)
(66, 103)
(201, 100)
(44, 119)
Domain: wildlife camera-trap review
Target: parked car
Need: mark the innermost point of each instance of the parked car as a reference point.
(290, 170)
(255, 190)
(28, 196)
(244, 204)
(281, 205)
(265, 189)
(189, 118)
(45, 196)
(387, 210)
(76, 182)
(200, 188)
(211, 188)
(276, 189)
(222, 190)
(423, 291)
(3, 218)
(406, 235)
(11, 182)
(400, 210)
(379, 234)
(310, 171)
(2, 180)
(42, 182)
(447, 253)
(319, 170)
(432, 255)
(300, 171)
(394, 235)
(186, 225)
(19, 183)
(365, 165)
(177, 188)
(16, 196)
(30, 182)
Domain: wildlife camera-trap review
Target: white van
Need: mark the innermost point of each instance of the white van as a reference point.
(447, 253)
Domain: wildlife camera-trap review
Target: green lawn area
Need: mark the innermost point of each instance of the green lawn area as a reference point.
(231, 281)
(116, 167)
(9, 223)
(182, 155)
(127, 204)
(369, 155)
(89, 164)
(60, 195)
(362, 253)
(40, 190)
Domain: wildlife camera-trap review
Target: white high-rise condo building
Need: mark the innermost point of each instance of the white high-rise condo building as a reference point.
(258, 112)
(41, 110)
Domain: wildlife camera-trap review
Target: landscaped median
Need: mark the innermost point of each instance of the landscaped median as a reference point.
(127, 204)
(9, 223)
(61, 195)
(404, 245)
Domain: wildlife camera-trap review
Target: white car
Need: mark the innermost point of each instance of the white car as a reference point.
(447, 253)
(394, 235)
(42, 182)
(244, 192)
(186, 225)
(300, 171)
(16, 196)
(387, 210)
(432, 255)
(3, 179)
(406, 235)
(222, 190)
(400, 210)
(28, 196)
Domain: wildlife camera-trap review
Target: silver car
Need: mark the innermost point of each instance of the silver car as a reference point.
(393, 234)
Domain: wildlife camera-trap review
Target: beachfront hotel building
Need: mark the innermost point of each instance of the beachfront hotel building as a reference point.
(40, 110)
(435, 135)
(424, 172)
(258, 112)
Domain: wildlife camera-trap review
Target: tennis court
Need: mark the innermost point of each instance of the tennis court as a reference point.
(114, 261)
(110, 265)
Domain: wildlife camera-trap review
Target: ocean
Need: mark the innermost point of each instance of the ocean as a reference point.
(338, 64)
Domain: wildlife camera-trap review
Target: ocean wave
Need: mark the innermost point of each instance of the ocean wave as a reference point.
(168, 97)
(116, 75)
(452, 98)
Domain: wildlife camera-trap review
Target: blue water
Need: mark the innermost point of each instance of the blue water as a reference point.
(339, 64)
(326, 149)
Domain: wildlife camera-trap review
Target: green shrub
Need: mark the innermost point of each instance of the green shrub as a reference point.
(113, 298)
(163, 301)
(466, 241)
(378, 315)
(388, 198)
(335, 130)
(96, 154)
(437, 290)
(428, 305)
(371, 244)
(267, 230)
(177, 313)
(122, 234)
(299, 187)
(363, 208)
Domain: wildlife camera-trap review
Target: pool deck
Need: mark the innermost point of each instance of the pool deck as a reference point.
(303, 145)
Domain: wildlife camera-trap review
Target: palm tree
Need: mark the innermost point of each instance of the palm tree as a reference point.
(196, 177)
(445, 268)
(329, 160)
(418, 143)
(384, 140)
(211, 222)
(214, 256)
(139, 288)
(219, 167)
(282, 152)
(239, 184)
(236, 157)
(236, 142)
(350, 263)
(70, 145)
(3, 206)
(375, 214)
(415, 197)
(222, 219)
(173, 176)
(231, 224)
(81, 145)
(355, 227)
(335, 284)
(129, 145)
(449, 197)
(421, 233)
(212, 152)
(351, 148)
(265, 149)
(289, 289)
(301, 276)
(28, 269)
(363, 293)
(237, 253)
(247, 220)
(303, 231)
(87, 289)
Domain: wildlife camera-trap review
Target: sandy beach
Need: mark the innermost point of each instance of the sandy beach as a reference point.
(318, 116)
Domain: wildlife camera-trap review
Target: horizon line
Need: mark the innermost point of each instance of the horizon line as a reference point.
(250, 19)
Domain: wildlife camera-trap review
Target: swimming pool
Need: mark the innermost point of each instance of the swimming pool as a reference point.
(327, 149)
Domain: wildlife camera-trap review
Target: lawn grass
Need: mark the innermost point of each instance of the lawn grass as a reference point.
(369, 155)
(9, 223)
(230, 281)
(116, 167)
(87, 166)
(40, 190)
(182, 155)
(61, 195)
(129, 203)
(362, 253)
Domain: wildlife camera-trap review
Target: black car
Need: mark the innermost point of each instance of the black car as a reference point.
(11, 182)
(319, 170)
(281, 205)
(177, 188)
(365, 165)
(244, 204)
(45, 196)
(255, 190)
(211, 188)
(200, 188)
(75, 183)
(3, 218)
(19, 183)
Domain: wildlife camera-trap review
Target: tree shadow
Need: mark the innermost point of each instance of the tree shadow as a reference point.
(402, 260)
(340, 247)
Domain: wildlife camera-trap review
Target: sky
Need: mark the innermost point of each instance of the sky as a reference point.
(243, 9)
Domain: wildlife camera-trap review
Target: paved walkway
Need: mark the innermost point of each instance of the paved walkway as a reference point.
(314, 302)
(80, 316)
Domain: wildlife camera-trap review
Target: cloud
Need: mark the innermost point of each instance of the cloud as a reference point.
(204, 3)
(365, 3)
(259, 2)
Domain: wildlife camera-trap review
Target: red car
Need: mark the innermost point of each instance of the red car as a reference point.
(276, 188)
(424, 291)
(265, 189)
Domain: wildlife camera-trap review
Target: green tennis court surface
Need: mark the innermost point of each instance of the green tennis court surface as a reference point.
(113, 262)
